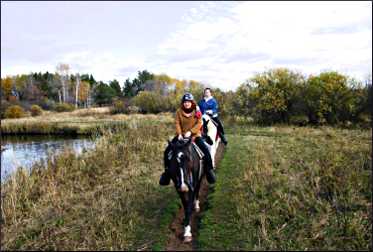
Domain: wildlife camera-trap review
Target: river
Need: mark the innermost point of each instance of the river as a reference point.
(26, 150)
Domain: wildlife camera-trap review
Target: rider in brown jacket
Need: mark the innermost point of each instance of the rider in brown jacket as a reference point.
(188, 123)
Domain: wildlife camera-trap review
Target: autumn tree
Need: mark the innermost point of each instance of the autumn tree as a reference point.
(84, 92)
(328, 98)
(6, 87)
(273, 94)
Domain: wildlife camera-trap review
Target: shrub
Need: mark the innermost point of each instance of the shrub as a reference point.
(132, 110)
(118, 107)
(150, 102)
(272, 93)
(64, 107)
(48, 104)
(4, 105)
(301, 120)
(36, 110)
(14, 111)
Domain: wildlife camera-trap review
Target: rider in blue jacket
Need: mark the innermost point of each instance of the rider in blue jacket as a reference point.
(208, 105)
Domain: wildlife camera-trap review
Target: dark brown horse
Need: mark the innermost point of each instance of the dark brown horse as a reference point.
(186, 172)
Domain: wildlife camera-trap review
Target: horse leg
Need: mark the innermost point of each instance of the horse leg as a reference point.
(188, 213)
(213, 157)
(196, 199)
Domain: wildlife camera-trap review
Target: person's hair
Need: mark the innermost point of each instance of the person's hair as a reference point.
(194, 105)
(206, 89)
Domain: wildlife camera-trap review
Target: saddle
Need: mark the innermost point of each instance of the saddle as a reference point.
(194, 146)
(198, 150)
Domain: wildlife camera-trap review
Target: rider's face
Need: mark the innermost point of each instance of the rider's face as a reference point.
(187, 104)
(207, 93)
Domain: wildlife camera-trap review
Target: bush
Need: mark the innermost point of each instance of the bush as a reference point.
(4, 105)
(36, 110)
(150, 102)
(118, 107)
(47, 104)
(14, 111)
(300, 120)
(64, 107)
(271, 95)
(133, 110)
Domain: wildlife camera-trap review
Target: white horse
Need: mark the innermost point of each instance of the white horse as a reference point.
(210, 134)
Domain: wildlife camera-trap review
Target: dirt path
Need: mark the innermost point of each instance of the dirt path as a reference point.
(175, 238)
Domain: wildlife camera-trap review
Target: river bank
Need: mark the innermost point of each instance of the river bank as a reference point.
(78, 122)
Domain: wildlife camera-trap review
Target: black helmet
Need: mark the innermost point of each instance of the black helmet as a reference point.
(187, 97)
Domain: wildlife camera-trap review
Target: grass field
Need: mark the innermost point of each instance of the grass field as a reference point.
(291, 188)
(79, 122)
(277, 188)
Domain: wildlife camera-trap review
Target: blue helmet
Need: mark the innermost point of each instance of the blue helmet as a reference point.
(187, 97)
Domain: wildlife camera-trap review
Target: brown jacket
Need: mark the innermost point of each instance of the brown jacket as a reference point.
(191, 123)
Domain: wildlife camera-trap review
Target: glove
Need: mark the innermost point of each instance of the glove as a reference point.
(188, 134)
(209, 112)
(198, 114)
(180, 137)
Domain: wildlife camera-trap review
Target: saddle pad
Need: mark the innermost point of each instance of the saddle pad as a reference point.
(198, 150)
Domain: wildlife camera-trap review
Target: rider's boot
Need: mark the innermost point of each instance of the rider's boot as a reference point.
(223, 139)
(210, 174)
(165, 177)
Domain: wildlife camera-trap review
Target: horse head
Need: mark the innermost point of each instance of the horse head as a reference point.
(180, 155)
(205, 121)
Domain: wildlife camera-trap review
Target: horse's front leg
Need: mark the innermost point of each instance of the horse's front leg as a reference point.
(196, 198)
(188, 214)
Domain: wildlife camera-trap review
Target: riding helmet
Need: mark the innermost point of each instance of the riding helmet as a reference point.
(187, 97)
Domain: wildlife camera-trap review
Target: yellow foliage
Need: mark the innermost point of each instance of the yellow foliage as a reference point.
(83, 91)
(6, 86)
(14, 111)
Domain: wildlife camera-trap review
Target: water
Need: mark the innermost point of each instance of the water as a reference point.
(26, 150)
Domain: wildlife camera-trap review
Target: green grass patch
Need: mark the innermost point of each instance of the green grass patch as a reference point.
(291, 188)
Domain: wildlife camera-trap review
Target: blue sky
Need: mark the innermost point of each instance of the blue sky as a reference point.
(219, 43)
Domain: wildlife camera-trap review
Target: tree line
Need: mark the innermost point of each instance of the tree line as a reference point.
(278, 95)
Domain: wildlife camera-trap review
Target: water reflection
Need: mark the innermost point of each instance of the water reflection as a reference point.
(26, 150)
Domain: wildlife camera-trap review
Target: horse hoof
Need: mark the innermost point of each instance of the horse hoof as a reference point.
(187, 239)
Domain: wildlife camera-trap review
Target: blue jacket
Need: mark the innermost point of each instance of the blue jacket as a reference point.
(211, 104)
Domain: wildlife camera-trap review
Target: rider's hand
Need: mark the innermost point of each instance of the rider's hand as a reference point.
(209, 112)
(188, 134)
(180, 137)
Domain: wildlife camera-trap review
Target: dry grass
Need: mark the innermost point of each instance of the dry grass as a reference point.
(290, 188)
(81, 121)
(105, 199)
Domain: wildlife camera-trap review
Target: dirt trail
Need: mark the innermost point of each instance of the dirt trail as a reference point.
(175, 238)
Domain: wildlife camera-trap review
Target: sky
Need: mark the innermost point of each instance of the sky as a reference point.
(221, 44)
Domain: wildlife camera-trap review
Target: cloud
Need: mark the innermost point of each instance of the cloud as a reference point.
(228, 45)
(219, 43)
